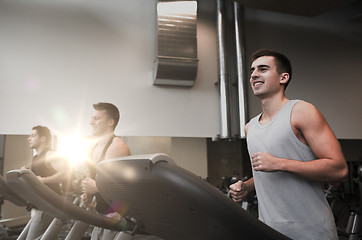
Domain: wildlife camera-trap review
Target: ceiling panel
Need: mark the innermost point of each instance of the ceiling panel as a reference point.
(297, 7)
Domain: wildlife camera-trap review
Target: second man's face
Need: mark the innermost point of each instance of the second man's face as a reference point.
(99, 122)
(34, 140)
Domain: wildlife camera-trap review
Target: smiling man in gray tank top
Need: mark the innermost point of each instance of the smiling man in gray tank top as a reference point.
(292, 151)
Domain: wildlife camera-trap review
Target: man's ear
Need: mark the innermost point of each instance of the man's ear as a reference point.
(110, 122)
(284, 78)
(43, 139)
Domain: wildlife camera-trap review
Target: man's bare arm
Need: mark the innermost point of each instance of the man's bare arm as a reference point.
(330, 165)
(117, 149)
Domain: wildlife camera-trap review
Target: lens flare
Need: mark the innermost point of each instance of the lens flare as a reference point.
(129, 173)
(75, 148)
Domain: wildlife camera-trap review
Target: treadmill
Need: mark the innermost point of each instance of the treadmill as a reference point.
(155, 196)
(170, 202)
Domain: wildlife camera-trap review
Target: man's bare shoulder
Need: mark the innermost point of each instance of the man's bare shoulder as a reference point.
(118, 148)
(50, 154)
(303, 105)
(304, 108)
(305, 113)
(119, 142)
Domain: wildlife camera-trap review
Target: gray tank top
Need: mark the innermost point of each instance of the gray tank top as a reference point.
(290, 204)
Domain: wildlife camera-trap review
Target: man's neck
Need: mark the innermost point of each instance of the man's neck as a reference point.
(272, 105)
(104, 138)
(39, 150)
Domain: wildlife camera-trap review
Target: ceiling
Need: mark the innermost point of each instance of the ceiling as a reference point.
(309, 8)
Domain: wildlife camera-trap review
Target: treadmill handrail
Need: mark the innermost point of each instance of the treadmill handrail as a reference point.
(154, 158)
(45, 199)
(10, 195)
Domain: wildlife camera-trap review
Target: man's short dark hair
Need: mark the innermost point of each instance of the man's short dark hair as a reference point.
(44, 132)
(282, 62)
(112, 111)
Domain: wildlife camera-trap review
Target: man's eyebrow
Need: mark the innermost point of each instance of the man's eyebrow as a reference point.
(263, 66)
(259, 66)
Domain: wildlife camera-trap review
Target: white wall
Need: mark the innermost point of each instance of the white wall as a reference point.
(326, 56)
(59, 57)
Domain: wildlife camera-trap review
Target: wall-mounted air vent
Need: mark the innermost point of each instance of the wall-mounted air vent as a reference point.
(176, 61)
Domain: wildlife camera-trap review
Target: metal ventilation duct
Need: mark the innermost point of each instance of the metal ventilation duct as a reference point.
(230, 36)
(177, 43)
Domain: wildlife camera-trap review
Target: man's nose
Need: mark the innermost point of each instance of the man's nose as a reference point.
(254, 75)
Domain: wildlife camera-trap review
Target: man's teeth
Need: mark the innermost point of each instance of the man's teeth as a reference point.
(257, 84)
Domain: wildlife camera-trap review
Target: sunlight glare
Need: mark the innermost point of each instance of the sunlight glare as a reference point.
(74, 148)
